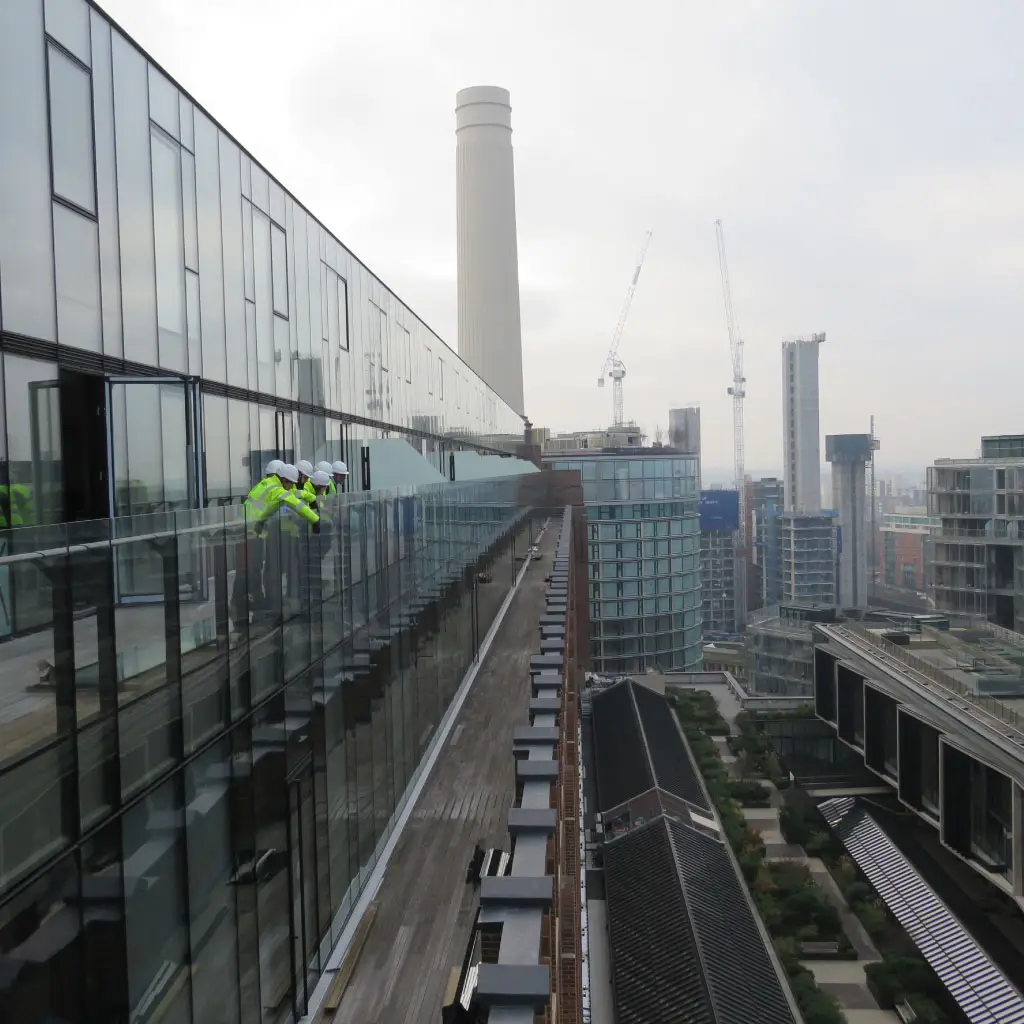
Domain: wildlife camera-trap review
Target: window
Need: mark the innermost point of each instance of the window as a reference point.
(71, 141)
(430, 372)
(170, 256)
(404, 351)
(334, 307)
(440, 378)
(279, 267)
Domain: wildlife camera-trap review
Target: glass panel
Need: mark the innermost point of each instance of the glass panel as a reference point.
(215, 449)
(234, 289)
(163, 103)
(106, 187)
(26, 252)
(67, 21)
(280, 270)
(188, 192)
(264, 302)
(260, 188)
(135, 203)
(149, 470)
(105, 955)
(282, 357)
(41, 933)
(211, 255)
(170, 263)
(187, 124)
(156, 915)
(192, 318)
(34, 439)
(250, 281)
(209, 793)
(277, 202)
(76, 251)
(71, 131)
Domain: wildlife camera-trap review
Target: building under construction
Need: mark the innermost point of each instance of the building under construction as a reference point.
(719, 560)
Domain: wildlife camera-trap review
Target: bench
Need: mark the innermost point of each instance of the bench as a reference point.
(812, 949)
(348, 965)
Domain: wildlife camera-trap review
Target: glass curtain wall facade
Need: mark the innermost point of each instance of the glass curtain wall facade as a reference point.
(190, 803)
(644, 558)
(160, 294)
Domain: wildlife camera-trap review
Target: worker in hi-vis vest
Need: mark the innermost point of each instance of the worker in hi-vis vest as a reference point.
(272, 494)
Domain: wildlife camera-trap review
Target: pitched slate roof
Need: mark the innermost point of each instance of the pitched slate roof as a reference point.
(639, 747)
(685, 946)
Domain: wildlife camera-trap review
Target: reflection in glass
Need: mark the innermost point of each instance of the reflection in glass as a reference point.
(156, 916)
(209, 792)
(67, 21)
(163, 103)
(135, 202)
(210, 245)
(71, 131)
(26, 301)
(106, 185)
(41, 940)
(76, 259)
(170, 263)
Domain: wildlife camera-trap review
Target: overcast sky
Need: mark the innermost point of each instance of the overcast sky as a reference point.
(866, 157)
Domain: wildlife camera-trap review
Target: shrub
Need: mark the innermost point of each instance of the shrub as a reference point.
(895, 977)
(817, 842)
(858, 892)
(793, 825)
(927, 1010)
(874, 919)
(749, 794)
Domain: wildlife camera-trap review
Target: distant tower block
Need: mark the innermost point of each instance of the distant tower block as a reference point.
(490, 332)
(849, 455)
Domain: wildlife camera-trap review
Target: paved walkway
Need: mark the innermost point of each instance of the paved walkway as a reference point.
(843, 979)
(426, 909)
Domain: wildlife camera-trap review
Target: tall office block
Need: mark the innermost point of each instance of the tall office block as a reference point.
(849, 455)
(490, 334)
(801, 438)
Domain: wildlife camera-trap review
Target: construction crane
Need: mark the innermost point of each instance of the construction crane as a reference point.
(614, 367)
(739, 382)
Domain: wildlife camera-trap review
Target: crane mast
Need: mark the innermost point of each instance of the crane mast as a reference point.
(613, 366)
(738, 392)
(738, 389)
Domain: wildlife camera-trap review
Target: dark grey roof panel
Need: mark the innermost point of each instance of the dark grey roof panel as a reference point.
(740, 973)
(656, 973)
(674, 769)
(623, 769)
(983, 992)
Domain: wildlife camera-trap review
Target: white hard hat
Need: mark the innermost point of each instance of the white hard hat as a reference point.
(305, 468)
(289, 473)
(273, 467)
(323, 467)
(339, 469)
(320, 478)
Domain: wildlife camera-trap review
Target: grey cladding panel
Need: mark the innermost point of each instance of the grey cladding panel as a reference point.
(513, 984)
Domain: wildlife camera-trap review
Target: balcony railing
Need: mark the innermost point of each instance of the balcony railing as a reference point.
(1005, 720)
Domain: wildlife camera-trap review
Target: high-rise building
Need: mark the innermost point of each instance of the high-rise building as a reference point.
(684, 428)
(209, 731)
(719, 558)
(801, 434)
(765, 500)
(849, 455)
(905, 549)
(643, 515)
(979, 544)
(490, 332)
(807, 546)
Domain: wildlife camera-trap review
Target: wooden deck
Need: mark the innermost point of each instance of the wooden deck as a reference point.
(426, 909)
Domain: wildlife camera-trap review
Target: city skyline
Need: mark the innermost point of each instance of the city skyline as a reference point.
(903, 261)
